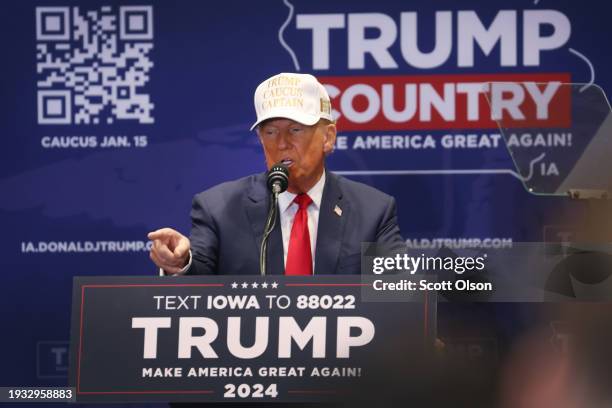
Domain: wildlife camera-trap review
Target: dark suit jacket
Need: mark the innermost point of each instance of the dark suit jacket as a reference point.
(228, 222)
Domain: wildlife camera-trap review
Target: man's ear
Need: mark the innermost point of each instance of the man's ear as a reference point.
(329, 138)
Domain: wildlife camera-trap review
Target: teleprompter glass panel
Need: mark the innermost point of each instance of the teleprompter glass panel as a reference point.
(558, 134)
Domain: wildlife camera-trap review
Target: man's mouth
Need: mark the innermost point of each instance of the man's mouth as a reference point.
(287, 162)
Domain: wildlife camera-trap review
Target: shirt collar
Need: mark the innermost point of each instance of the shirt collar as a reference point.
(285, 199)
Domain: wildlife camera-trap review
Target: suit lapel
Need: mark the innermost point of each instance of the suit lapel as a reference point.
(276, 261)
(256, 205)
(332, 215)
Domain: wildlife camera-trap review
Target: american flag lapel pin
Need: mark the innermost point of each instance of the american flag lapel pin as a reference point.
(338, 211)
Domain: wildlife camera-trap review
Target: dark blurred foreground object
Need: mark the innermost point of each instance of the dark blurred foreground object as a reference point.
(584, 275)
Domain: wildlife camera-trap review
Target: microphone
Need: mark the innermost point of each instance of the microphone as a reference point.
(278, 178)
(277, 182)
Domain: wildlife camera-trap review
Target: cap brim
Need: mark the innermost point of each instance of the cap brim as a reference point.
(304, 119)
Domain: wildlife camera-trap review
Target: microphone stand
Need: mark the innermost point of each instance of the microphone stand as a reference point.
(270, 223)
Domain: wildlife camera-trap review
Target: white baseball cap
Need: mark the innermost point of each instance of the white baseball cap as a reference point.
(299, 97)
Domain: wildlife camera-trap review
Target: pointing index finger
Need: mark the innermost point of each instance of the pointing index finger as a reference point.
(163, 234)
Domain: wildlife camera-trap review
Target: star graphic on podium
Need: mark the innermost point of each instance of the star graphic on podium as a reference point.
(264, 285)
(254, 285)
(244, 285)
(234, 285)
(274, 285)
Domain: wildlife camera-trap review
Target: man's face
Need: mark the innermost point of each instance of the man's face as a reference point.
(301, 148)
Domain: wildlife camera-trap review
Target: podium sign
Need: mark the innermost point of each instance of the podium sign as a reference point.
(234, 338)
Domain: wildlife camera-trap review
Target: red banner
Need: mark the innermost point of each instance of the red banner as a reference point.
(450, 101)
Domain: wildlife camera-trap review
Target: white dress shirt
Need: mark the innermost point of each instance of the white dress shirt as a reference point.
(288, 209)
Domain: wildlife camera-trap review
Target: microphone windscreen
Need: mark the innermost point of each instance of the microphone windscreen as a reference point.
(278, 173)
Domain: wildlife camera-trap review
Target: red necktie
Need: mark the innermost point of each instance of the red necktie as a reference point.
(299, 256)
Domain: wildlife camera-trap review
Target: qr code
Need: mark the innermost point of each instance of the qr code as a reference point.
(93, 65)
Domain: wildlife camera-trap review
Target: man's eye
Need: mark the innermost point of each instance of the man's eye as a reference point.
(296, 129)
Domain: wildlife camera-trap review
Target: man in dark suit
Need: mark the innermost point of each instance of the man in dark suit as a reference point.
(323, 218)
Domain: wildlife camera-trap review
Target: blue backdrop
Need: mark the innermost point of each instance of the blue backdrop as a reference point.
(115, 113)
